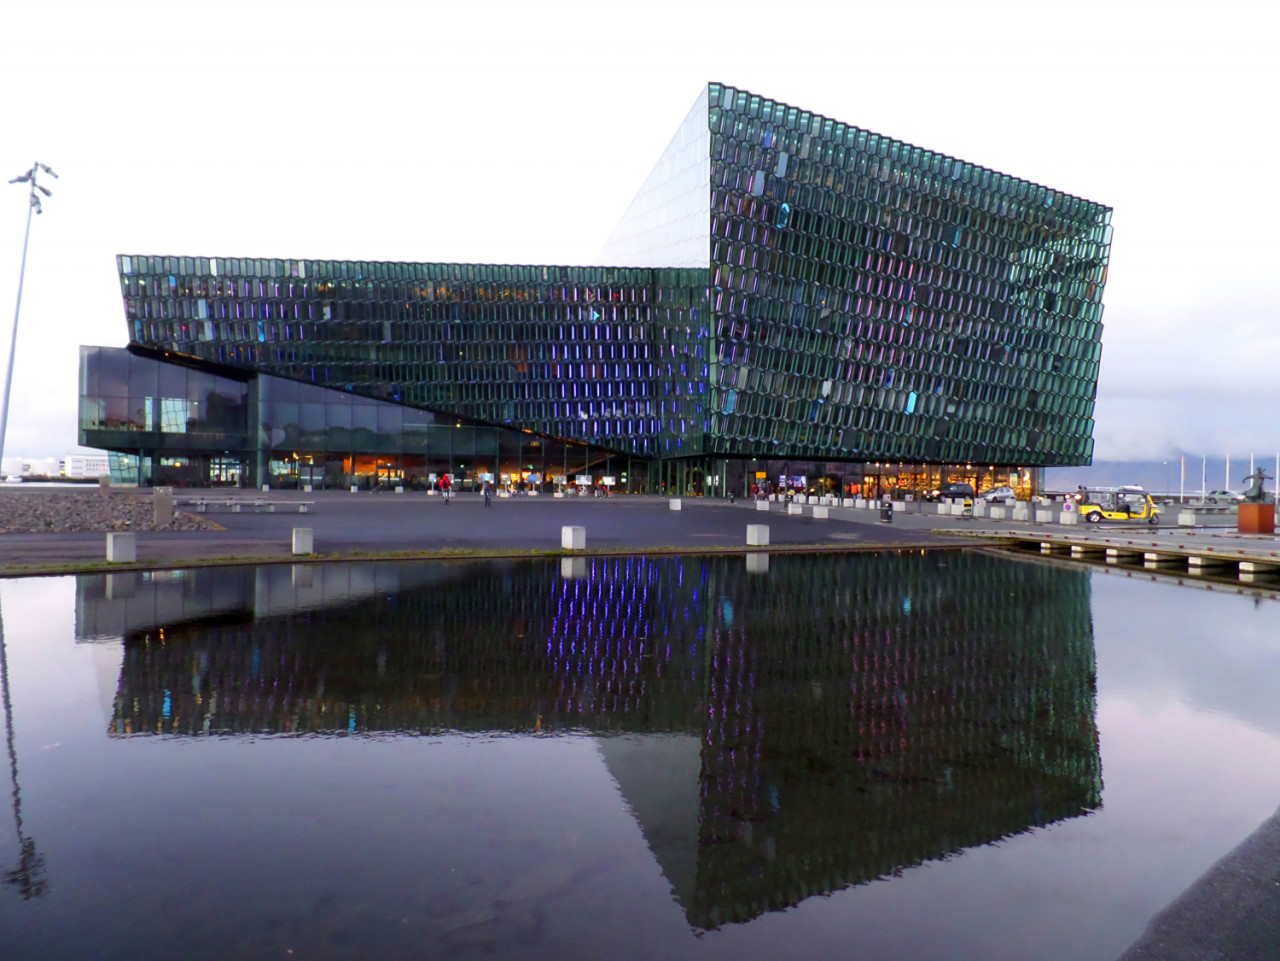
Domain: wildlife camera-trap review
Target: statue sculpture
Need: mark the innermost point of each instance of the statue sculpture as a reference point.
(1255, 494)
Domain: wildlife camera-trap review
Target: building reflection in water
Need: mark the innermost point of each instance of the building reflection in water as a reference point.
(776, 737)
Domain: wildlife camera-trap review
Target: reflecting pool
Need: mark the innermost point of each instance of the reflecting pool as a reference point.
(907, 755)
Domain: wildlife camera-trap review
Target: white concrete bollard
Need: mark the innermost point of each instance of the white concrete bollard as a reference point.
(821, 512)
(997, 513)
(266, 487)
(1044, 515)
(399, 488)
(354, 488)
(1186, 518)
(762, 506)
(757, 535)
(303, 540)
(1068, 517)
(675, 503)
(1022, 512)
(847, 502)
(573, 538)
(758, 563)
(795, 508)
(122, 548)
(306, 488)
(860, 502)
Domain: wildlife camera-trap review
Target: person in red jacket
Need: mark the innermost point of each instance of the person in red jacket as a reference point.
(445, 486)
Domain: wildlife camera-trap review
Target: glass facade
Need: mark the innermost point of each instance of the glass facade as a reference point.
(876, 301)
(799, 290)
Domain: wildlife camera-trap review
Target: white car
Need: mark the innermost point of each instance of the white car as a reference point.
(1003, 495)
(1223, 497)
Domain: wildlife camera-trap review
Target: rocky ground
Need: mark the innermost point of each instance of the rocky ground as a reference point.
(55, 511)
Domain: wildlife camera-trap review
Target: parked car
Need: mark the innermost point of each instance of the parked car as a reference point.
(950, 490)
(1001, 495)
(1223, 497)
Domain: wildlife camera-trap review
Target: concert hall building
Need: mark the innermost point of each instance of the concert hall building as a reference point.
(788, 301)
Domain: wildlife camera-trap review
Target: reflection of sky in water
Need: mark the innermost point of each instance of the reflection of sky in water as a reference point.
(529, 846)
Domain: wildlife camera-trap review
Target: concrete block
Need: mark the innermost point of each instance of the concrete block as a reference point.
(757, 535)
(860, 502)
(762, 506)
(573, 567)
(1068, 517)
(1044, 515)
(957, 508)
(847, 502)
(399, 488)
(795, 508)
(980, 508)
(122, 548)
(1022, 512)
(306, 488)
(266, 487)
(1186, 518)
(303, 540)
(821, 512)
(354, 488)
(996, 513)
(573, 538)
(162, 506)
(675, 503)
(942, 508)
(757, 563)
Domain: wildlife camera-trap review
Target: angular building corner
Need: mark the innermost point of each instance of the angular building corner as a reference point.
(787, 299)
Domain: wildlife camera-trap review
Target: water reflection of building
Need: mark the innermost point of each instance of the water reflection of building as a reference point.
(776, 737)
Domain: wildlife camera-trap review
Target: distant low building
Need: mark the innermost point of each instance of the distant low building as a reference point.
(85, 465)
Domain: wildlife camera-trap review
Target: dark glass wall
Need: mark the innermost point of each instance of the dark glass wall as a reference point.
(862, 300)
(611, 357)
(874, 300)
(179, 425)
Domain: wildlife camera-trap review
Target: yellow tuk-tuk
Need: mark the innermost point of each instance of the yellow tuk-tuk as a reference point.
(1126, 504)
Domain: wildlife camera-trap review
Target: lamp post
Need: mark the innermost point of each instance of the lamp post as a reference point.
(32, 205)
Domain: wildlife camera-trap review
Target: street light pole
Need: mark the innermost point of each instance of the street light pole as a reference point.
(33, 205)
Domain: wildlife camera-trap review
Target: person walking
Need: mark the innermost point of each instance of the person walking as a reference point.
(445, 485)
(488, 492)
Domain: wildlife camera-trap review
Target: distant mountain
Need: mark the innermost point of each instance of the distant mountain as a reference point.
(1165, 477)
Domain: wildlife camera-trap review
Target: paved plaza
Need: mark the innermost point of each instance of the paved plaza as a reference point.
(344, 524)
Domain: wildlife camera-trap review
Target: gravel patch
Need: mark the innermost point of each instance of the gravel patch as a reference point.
(67, 512)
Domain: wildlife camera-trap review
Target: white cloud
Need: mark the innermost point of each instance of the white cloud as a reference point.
(517, 132)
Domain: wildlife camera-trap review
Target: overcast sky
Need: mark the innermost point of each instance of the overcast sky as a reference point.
(518, 132)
